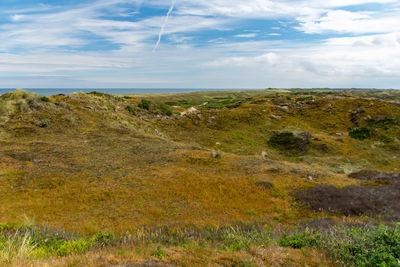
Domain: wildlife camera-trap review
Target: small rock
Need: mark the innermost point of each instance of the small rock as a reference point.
(306, 136)
(339, 134)
(189, 111)
(210, 120)
(264, 155)
(284, 108)
(215, 154)
(276, 117)
(37, 161)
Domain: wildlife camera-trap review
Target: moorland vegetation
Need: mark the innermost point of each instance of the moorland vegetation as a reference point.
(250, 178)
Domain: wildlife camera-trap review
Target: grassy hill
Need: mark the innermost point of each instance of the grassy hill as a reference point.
(199, 179)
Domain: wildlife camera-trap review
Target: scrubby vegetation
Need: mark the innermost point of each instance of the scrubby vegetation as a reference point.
(121, 180)
(352, 246)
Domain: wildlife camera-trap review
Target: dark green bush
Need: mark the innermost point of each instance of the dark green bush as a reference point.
(45, 99)
(44, 123)
(145, 104)
(360, 133)
(165, 109)
(96, 93)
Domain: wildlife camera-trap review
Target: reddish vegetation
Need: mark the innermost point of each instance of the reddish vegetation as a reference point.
(356, 200)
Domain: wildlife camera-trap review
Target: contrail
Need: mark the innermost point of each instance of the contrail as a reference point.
(160, 34)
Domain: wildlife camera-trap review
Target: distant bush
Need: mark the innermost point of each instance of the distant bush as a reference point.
(304, 98)
(165, 109)
(145, 104)
(96, 93)
(45, 99)
(44, 123)
(360, 133)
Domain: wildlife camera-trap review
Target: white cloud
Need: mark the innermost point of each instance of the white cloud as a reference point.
(350, 22)
(246, 35)
(17, 17)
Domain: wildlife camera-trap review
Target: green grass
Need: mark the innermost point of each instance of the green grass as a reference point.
(31, 241)
(353, 246)
(372, 245)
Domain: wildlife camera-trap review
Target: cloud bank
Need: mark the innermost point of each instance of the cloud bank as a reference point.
(204, 44)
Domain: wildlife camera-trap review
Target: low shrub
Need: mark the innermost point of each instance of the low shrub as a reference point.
(353, 246)
(145, 104)
(360, 133)
(165, 109)
(44, 123)
(96, 93)
(45, 99)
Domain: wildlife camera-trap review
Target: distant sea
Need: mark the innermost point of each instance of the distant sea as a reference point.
(113, 91)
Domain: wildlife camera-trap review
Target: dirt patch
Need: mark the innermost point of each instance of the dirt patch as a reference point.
(354, 200)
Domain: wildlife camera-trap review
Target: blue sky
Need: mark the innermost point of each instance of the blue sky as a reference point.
(200, 44)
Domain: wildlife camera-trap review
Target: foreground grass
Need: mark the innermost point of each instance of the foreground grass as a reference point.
(240, 245)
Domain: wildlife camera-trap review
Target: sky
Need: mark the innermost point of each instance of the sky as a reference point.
(199, 43)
